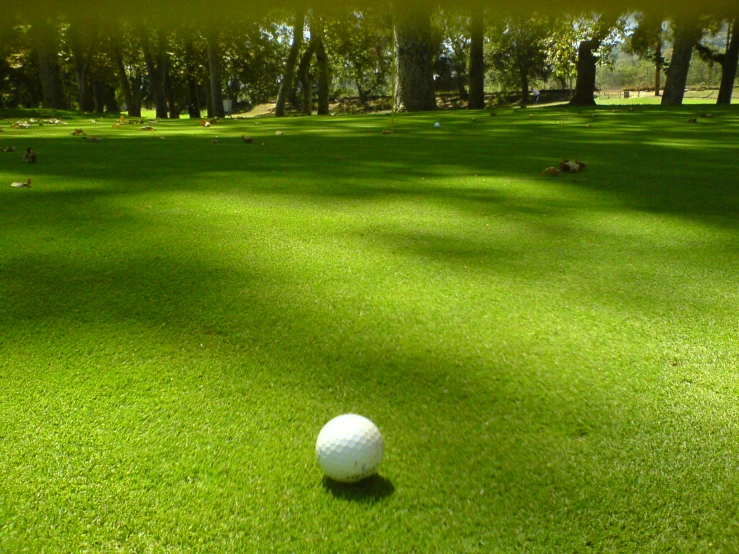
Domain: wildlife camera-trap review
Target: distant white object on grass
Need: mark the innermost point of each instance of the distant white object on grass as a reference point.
(349, 448)
(437, 124)
(21, 185)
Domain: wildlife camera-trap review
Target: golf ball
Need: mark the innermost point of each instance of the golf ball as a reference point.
(437, 124)
(349, 448)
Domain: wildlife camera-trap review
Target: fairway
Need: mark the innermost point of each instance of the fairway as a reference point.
(552, 361)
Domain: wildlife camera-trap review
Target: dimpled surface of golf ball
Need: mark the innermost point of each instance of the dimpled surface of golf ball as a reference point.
(349, 448)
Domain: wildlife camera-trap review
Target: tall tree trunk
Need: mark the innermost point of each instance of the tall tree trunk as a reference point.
(477, 62)
(110, 102)
(305, 80)
(687, 34)
(133, 104)
(160, 89)
(729, 67)
(214, 64)
(658, 67)
(157, 71)
(292, 59)
(324, 75)
(47, 46)
(97, 97)
(585, 83)
(193, 105)
(524, 88)
(171, 104)
(209, 102)
(82, 56)
(414, 68)
(137, 83)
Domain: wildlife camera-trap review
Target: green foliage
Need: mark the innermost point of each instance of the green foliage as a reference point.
(359, 44)
(516, 50)
(646, 39)
(19, 81)
(452, 59)
(253, 55)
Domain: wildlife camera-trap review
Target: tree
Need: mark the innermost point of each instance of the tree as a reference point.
(156, 65)
(191, 75)
(646, 42)
(304, 77)
(727, 59)
(519, 52)
(561, 48)
(687, 32)
(601, 33)
(476, 67)
(83, 44)
(451, 67)
(360, 43)
(46, 34)
(287, 80)
(124, 55)
(324, 75)
(19, 74)
(216, 83)
(253, 56)
(414, 69)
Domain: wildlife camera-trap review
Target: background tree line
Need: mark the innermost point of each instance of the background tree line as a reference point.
(305, 57)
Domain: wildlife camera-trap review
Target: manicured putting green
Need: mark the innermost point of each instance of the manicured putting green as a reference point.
(552, 361)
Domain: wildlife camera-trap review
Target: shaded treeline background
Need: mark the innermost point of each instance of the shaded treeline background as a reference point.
(187, 60)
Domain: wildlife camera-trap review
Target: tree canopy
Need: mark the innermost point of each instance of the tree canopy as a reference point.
(173, 11)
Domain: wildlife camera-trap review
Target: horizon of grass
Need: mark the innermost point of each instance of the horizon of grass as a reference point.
(552, 361)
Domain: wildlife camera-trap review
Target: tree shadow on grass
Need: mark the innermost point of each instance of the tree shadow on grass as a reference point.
(369, 490)
(651, 160)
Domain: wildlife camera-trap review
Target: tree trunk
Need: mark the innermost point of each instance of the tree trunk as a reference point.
(292, 59)
(729, 67)
(687, 34)
(137, 83)
(193, 107)
(414, 68)
(658, 67)
(585, 83)
(477, 61)
(324, 75)
(193, 104)
(363, 95)
(81, 58)
(160, 91)
(157, 71)
(110, 102)
(133, 104)
(209, 101)
(305, 80)
(47, 46)
(171, 104)
(524, 88)
(214, 64)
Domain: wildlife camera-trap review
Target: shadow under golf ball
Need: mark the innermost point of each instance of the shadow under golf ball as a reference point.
(371, 489)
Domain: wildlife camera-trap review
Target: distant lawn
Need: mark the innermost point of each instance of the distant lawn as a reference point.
(692, 97)
(553, 361)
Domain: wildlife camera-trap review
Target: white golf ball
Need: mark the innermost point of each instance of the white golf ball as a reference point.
(349, 448)
(437, 124)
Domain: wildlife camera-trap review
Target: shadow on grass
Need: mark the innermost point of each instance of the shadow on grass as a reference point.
(369, 490)
(650, 160)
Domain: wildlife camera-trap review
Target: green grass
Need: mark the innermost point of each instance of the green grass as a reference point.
(552, 361)
(692, 98)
